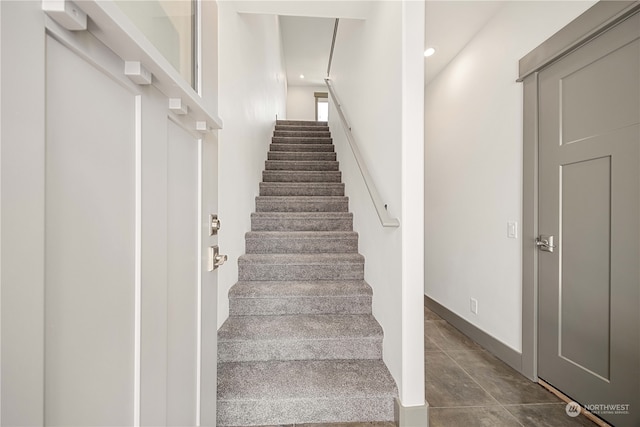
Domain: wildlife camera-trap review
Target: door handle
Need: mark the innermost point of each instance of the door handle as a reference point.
(545, 243)
(215, 259)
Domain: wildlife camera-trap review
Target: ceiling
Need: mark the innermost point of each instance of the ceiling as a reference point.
(306, 43)
(449, 26)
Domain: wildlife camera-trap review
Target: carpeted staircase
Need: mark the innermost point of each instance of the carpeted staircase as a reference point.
(301, 345)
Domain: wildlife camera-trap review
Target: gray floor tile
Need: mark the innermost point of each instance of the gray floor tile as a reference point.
(547, 415)
(448, 385)
(500, 380)
(447, 337)
(362, 424)
(430, 315)
(487, 416)
(429, 345)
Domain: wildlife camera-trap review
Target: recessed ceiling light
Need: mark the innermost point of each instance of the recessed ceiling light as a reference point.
(302, 76)
(429, 51)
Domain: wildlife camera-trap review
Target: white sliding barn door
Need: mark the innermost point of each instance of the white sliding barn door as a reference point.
(108, 312)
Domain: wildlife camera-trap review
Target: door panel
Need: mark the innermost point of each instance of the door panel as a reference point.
(90, 243)
(589, 193)
(182, 297)
(585, 205)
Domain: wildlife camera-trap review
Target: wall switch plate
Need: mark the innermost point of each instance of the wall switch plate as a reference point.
(512, 229)
(474, 306)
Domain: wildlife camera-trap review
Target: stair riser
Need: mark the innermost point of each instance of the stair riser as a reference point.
(266, 204)
(301, 140)
(303, 128)
(302, 148)
(303, 245)
(324, 189)
(347, 271)
(302, 176)
(326, 349)
(299, 305)
(302, 134)
(299, 123)
(300, 224)
(300, 411)
(301, 156)
(300, 165)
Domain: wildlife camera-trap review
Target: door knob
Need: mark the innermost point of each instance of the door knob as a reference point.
(545, 243)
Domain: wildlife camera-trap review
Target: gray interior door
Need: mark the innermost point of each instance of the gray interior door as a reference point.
(589, 190)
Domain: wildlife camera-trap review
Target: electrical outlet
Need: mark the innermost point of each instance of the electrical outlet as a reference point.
(474, 306)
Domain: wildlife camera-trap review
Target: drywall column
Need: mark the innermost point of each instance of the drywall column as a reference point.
(412, 219)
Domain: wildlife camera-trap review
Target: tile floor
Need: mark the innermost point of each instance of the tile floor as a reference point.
(468, 387)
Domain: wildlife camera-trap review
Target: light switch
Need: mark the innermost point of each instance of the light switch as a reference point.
(512, 230)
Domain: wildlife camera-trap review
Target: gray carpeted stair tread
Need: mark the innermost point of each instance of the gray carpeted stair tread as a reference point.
(299, 337)
(327, 148)
(348, 266)
(287, 392)
(300, 123)
(302, 133)
(299, 327)
(259, 298)
(302, 204)
(301, 176)
(300, 297)
(301, 259)
(294, 289)
(302, 165)
(316, 140)
(301, 221)
(302, 155)
(277, 379)
(301, 241)
(301, 189)
(302, 127)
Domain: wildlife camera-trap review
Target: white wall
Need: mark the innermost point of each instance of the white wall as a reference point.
(301, 104)
(252, 87)
(376, 108)
(473, 168)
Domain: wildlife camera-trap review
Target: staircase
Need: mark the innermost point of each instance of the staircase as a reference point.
(300, 344)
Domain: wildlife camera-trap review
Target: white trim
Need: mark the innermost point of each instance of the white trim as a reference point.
(138, 264)
(198, 47)
(112, 27)
(199, 297)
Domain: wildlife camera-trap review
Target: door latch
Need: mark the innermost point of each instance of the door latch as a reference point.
(545, 243)
(215, 259)
(214, 224)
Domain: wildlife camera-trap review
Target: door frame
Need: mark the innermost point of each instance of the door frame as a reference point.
(592, 23)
